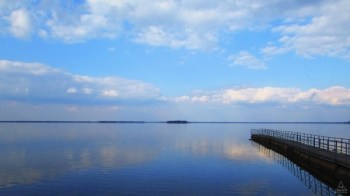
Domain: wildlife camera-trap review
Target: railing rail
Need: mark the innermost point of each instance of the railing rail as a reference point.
(331, 144)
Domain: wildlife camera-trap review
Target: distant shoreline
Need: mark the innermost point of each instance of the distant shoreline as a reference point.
(168, 122)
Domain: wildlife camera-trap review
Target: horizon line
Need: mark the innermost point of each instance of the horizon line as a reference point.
(172, 121)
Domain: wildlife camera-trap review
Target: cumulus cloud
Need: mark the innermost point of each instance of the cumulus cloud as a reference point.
(110, 93)
(81, 28)
(28, 68)
(35, 81)
(20, 23)
(325, 33)
(158, 36)
(335, 95)
(71, 90)
(190, 24)
(246, 59)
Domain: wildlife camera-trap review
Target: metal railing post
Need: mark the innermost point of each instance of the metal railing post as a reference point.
(314, 141)
(336, 146)
(327, 144)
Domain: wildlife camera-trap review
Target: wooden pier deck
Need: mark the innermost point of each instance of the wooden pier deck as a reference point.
(327, 154)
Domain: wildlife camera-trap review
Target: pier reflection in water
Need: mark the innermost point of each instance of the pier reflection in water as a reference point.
(310, 181)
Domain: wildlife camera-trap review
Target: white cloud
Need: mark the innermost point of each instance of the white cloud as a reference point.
(116, 87)
(71, 90)
(81, 28)
(246, 59)
(155, 36)
(274, 50)
(158, 36)
(310, 28)
(325, 34)
(28, 68)
(20, 23)
(110, 93)
(189, 24)
(335, 95)
(87, 90)
(31, 81)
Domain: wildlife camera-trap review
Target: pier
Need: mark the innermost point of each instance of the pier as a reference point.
(328, 158)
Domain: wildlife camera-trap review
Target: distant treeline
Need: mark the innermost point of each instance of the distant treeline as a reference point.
(177, 121)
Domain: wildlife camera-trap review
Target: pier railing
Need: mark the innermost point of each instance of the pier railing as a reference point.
(331, 144)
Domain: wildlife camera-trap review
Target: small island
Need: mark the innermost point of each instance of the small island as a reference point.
(177, 121)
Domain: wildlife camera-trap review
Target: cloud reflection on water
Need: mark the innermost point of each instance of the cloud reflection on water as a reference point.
(33, 153)
(233, 149)
(28, 156)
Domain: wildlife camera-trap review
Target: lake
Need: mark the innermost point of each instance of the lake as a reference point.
(148, 159)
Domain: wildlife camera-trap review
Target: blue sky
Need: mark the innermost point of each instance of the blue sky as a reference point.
(171, 59)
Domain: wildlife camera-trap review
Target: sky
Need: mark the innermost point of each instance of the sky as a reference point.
(197, 60)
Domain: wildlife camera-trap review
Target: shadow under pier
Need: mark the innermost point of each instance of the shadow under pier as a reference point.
(325, 158)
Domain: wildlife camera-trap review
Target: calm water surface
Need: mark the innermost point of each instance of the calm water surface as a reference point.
(146, 159)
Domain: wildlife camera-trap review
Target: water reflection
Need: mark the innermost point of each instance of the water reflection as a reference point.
(22, 166)
(29, 156)
(39, 152)
(311, 182)
(234, 149)
(138, 158)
